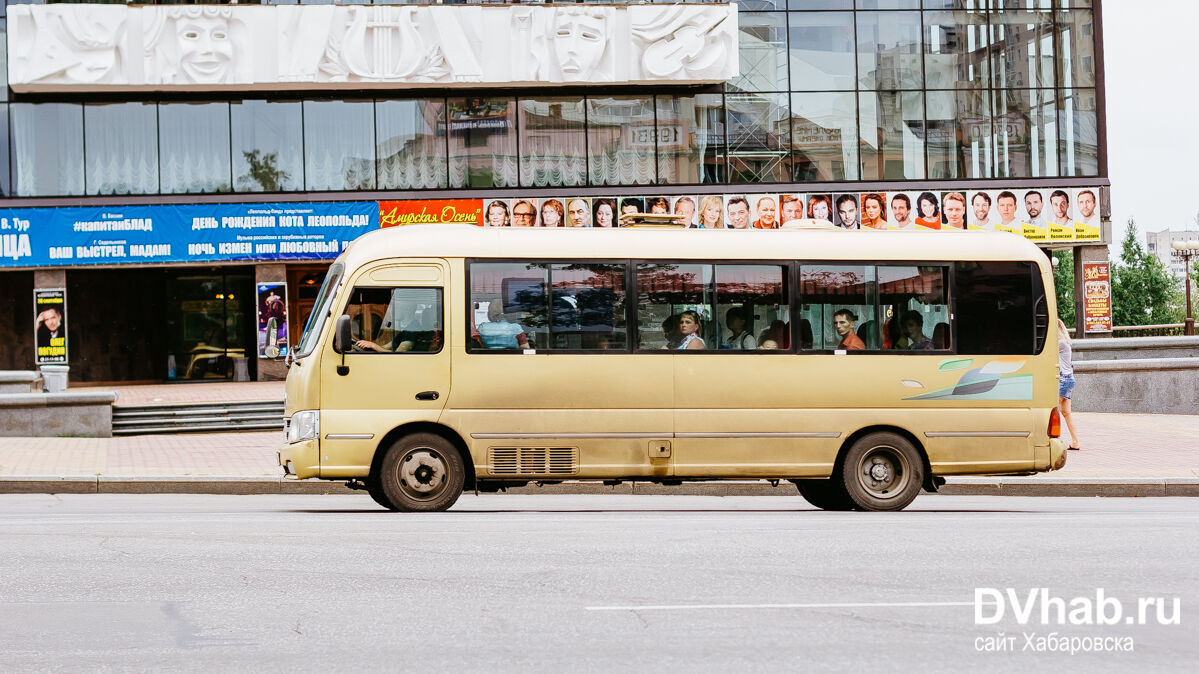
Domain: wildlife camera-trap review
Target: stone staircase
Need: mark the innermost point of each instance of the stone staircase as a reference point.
(205, 417)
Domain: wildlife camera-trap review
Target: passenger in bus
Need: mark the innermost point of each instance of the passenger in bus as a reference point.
(844, 322)
(741, 338)
(689, 328)
(913, 333)
(806, 340)
(670, 331)
(498, 332)
(408, 336)
(779, 332)
(941, 336)
(768, 345)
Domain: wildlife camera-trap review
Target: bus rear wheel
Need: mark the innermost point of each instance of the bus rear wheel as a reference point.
(824, 494)
(882, 471)
(422, 472)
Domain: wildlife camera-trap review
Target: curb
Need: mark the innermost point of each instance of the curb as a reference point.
(238, 485)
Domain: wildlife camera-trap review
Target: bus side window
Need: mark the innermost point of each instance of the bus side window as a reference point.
(995, 307)
(588, 307)
(914, 300)
(395, 320)
(838, 302)
(753, 307)
(510, 306)
(674, 307)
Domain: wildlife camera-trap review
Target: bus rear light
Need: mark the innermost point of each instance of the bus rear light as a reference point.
(1055, 424)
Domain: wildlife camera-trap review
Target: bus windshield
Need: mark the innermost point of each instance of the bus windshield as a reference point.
(320, 311)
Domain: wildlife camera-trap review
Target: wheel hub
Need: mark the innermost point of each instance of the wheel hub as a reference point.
(880, 471)
(422, 471)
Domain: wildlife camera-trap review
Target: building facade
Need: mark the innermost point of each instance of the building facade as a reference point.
(185, 173)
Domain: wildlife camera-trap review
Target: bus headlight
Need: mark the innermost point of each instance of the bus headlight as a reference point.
(304, 425)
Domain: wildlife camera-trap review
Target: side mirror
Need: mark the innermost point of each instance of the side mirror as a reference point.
(343, 339)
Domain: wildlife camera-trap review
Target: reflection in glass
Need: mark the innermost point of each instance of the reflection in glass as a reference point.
(889, 50)
(193, 139)
(762, 53)
(410, 144)
(837, 305)
(960, 138)
(751, 303)
(759, 138)
(822, 51)
(824, 130)
(690, 139)
(1025, 133)
(47, 145)
(3, 60)
(553, 148)
(509, 303)
(1022, 48)
(1076, 47)
(819, 4)
(121, 148)
(482, 142)
(620, 140)
(339, 148)
(1079, 128)
(892, 135)
(267, 146)
(5, 189)
(664, 293)
(955, 50)
(587, 306)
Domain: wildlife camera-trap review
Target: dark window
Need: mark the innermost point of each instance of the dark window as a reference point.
(588, 307)
(396, 320)
(996, 306)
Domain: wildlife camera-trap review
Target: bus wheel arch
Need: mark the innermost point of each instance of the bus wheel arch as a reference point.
(891, 445)
(424, 427)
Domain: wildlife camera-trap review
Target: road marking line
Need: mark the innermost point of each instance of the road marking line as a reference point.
(697, 607)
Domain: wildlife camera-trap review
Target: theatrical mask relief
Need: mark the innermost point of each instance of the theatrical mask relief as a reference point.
(63, 47)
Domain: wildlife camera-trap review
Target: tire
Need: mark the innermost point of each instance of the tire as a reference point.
(882, 471)
(422, 472)
(824, 494)
(376, 491)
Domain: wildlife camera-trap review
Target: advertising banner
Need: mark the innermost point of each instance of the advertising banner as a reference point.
(272, 319)
(50, 325)
(431, 212)
(47, 237)
(1097, 297)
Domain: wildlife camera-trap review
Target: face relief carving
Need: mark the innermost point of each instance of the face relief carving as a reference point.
(205, 49)
(579, 41)
(94, 35)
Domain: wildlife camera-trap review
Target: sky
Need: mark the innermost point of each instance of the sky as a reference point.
(1152, 80)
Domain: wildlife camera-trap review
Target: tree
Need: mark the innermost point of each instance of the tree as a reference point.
(264, 172)
(1063, 282)
(1144, 292)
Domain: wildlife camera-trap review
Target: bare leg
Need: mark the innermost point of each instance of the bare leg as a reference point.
(1064, 404)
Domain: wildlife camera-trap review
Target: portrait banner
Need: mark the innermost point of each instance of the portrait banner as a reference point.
(272, 320)
(1097, 297)
(431, 212)
(50, 325)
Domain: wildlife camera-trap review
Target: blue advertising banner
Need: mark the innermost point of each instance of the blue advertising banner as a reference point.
(42, 237)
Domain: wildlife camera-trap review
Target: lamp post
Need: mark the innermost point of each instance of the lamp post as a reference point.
(1186, 250)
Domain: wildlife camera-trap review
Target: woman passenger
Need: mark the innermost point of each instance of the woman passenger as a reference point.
(689, 328)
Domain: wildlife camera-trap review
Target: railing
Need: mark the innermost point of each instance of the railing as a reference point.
(1161, 330)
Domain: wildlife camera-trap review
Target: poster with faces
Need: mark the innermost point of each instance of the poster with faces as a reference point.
(657, 205)
(687, 210)
(603, 212)
(953, 210)
(846, 210)
(553, 213)
(710, 214)
(736, 211)
(1086, 214)
(1007, 210)
(874, 210)
(1060, 218)
(1034, 218)
(578, 212)
(765, 211)
(498, 213)
(523, 212)
(630, 205)
(820, 207)
(982, 214)
(901, 212)
(791, 207)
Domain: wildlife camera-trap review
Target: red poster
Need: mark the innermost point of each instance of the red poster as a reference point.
(431, 211)
(1097, 297)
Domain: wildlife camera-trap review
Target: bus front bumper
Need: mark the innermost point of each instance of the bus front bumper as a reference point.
(300, 460)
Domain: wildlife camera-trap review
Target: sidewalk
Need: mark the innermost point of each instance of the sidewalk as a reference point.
(1122, 454)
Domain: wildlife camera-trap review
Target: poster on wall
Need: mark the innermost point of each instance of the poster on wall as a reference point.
(272, 320)
(50, 325)
(1097, 297)
(431, 212)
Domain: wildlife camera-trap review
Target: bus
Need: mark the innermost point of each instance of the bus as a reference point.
(864, 366)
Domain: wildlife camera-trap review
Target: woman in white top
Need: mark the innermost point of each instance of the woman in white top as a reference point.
(1065, 386)
(689, 327)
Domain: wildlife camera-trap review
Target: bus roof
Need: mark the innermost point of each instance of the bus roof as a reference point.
(469, 241)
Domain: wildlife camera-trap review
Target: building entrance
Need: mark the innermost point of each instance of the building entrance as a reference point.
(210, 323)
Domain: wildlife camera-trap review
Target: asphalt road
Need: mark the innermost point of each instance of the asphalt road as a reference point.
(593, 583)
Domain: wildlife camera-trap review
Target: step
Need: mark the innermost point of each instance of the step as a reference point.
(198, 403)
(150, 430)
(159, 421)
(197, 411)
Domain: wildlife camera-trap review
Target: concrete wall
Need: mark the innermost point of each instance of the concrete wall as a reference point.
(52, 415)
(1144, 375)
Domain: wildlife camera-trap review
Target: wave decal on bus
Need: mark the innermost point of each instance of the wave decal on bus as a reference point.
(993, 381)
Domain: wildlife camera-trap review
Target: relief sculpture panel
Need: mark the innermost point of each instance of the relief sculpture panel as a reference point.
(64, 47)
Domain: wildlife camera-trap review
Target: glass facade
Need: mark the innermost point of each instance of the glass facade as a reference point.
(828, 90)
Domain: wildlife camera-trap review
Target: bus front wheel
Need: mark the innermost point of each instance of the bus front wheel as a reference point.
(422, 472)
(882, 471)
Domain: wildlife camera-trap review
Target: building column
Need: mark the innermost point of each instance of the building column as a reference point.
(1096, 253)
(269, 369)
